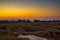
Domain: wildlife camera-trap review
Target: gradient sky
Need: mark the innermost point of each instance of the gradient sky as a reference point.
(29, 9)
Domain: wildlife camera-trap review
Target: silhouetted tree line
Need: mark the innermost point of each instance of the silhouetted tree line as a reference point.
(13, 21)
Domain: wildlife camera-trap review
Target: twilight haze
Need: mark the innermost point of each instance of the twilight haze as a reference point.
(10, 9)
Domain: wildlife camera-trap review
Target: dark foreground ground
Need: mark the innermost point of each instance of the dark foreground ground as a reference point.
(49, 30)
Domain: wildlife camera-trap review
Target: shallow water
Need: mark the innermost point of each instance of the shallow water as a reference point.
(31, 37)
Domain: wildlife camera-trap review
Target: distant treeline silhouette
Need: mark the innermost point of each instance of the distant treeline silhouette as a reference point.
(16, 21)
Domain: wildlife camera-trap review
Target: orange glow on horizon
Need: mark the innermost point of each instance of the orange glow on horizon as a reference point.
(16, 11)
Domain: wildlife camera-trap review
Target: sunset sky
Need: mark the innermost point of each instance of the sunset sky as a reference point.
(29, 9)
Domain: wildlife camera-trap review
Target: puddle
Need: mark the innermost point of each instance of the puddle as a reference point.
(31, 37)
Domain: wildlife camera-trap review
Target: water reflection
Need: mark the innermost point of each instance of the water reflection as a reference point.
(31, 37)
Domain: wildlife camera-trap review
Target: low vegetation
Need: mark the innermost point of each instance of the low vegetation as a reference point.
(49, 30)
